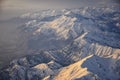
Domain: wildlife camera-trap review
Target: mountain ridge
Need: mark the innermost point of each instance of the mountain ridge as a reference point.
(69, 42)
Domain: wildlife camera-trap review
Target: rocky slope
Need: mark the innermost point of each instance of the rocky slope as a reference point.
(69, 44)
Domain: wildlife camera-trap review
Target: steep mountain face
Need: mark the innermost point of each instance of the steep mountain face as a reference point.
(89, 68)
(70, 44)
(58, 28)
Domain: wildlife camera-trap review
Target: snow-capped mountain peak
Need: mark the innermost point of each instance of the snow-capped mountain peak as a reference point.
(69, 44)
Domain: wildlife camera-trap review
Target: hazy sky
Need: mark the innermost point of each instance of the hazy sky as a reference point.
(32, 4)
(11, 8)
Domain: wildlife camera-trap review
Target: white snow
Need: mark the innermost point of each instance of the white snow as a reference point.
(85, 45)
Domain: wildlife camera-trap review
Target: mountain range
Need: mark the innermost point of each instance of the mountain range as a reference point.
(69, 44)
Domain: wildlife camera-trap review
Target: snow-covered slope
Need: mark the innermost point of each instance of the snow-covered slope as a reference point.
(58, 28)
(89, 68)
(69, 44)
